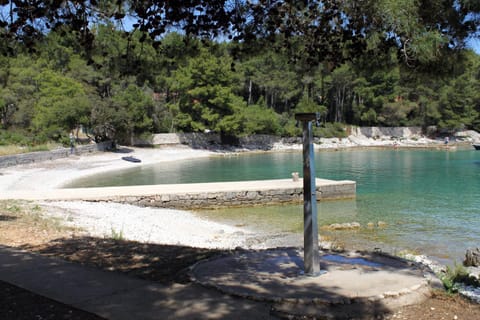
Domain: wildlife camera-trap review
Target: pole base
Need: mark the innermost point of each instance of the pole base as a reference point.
(316, 274)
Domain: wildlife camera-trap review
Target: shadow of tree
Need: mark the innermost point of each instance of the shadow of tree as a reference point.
(168, 265)
(17, 304)
(162, 263)
(123, 150)
(4, 217)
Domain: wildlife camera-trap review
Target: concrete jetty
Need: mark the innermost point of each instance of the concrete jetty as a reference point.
(198, 195)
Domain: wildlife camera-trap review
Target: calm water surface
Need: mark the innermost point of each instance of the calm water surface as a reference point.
(429, 199)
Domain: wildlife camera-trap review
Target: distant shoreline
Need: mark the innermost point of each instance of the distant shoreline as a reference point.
(54, 174)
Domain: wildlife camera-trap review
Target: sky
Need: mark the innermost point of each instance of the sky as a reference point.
(474, 43)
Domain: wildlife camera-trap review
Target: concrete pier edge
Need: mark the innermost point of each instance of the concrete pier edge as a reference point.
(198, 195)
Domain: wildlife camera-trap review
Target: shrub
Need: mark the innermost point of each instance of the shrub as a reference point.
(14, 138)
(331, 130)
(454, 275)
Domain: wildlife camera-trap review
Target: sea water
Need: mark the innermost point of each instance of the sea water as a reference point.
(428, 199)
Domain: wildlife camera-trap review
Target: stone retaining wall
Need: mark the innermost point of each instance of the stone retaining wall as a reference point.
(379, 132)
(214, 200)
(205, 140)
(263, 141)
(31, 157)
(195, 139)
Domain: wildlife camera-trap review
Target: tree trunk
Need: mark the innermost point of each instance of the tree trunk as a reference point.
(249, 93)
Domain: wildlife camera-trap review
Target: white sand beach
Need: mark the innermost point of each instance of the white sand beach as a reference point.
(56, 173)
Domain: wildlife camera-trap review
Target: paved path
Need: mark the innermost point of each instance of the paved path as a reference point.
(267, 279)
(117, 296)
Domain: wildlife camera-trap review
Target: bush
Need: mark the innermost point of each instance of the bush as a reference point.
(14, 138)
(330, 130)
(260, 120)
(289, 126)
(457, 274)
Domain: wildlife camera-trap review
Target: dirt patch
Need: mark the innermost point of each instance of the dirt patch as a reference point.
(23, 226)
(439, 306)
(22, 223)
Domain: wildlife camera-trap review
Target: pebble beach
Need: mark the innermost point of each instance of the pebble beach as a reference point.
(163, 226)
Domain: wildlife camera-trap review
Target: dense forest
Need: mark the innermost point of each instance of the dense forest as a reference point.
(122, 84)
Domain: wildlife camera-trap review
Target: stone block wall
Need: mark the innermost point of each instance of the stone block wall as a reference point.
(378, 132)
(194, 139)
(266, 142)
(203, 140)
(32, 157)
(214, 200)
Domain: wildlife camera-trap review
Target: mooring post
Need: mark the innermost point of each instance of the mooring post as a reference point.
(310, 224)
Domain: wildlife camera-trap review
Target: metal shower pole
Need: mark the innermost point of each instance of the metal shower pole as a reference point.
(310, 224)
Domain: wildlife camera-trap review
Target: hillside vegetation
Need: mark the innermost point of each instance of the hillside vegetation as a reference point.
(122, 84)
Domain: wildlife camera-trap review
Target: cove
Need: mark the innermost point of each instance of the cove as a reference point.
(428, 198)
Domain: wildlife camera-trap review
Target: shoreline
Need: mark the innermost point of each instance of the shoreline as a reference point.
(57, 173)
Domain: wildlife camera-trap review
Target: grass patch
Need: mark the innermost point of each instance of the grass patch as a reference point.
(455, 275)
(18, 149)
(32, 215)
(116, 235)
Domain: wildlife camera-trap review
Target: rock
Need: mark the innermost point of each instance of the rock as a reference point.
(474, 273)
(295, 176)
(370, 225)
(472, 258)
(342, 226)
(381, 224)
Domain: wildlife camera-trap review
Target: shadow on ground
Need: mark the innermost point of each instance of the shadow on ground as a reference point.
(162, 263)
(19, 304)
(178, 296)
(123, 150)
(4, 217)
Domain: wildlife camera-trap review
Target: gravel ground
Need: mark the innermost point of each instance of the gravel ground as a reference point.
(149, 225)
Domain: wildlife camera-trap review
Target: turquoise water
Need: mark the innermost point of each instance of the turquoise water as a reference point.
(429, 199)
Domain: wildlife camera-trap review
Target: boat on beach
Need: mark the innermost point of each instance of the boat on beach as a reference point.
(131, 159)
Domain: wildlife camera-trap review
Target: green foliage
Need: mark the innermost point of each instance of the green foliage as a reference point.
(331, 130)
(455, 275)
(459, 102)
(260, 120)
(133, 109)
(289, 125)
(307, 105)
(396, 113)
(369, 117)
(127, 85)
(117, 235)
(14, 138)
(206, 99)
(62, 105)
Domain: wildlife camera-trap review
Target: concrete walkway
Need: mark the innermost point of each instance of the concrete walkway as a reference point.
(260, 285)
(116, 296)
